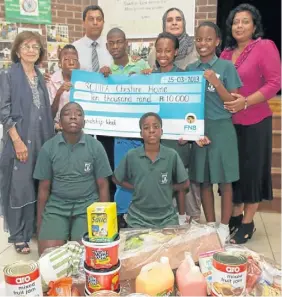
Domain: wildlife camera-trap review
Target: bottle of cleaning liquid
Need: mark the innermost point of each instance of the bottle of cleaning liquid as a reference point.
(156, 279)
(189, 279)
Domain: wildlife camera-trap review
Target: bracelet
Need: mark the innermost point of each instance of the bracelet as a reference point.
(246, 103)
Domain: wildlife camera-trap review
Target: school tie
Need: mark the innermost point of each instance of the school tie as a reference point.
(95, 61)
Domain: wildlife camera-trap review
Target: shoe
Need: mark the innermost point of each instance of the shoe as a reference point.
(244, 233)
(235, 223)
(223, 233)
(212, 224)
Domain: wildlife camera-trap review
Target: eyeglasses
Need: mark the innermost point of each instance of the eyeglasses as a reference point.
(34, 47)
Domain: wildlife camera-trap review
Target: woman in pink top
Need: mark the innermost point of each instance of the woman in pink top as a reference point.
(258, 64)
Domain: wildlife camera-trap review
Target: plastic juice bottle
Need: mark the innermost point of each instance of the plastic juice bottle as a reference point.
(156, 279)
(189, 279)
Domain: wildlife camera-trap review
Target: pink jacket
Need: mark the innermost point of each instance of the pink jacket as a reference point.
(259, 68)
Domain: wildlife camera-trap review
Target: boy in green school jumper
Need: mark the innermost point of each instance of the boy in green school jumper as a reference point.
(73, 170)
(117, 46)
(152, 172)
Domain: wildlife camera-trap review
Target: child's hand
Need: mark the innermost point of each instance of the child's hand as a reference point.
(147, 71)
(135, 58)
(106, 71)
(65, 87)
(211, 77)
(47, 76)
(203, 141)
(181, 141)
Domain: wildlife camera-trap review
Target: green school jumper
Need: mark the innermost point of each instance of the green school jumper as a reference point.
(217, 162)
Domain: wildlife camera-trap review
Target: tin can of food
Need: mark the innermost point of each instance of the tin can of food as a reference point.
(229, 274)
(23, 279)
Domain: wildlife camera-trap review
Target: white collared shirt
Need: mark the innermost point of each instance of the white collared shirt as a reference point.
(84, 48)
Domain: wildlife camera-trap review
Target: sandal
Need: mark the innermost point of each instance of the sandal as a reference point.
(235, 223)
(244, 233)
(22, 248)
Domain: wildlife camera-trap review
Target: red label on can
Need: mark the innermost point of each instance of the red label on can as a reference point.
(21, 280)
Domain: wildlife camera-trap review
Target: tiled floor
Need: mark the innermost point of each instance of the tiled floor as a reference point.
(266, 240)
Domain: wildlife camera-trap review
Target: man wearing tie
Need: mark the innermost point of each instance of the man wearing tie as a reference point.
(91, 48)
(93, 55)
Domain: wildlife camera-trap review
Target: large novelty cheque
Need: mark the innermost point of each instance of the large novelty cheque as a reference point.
(114, 105)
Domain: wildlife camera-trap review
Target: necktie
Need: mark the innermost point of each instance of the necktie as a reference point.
(95, 61)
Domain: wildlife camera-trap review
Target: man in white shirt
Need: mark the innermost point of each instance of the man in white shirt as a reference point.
(93, 22)
(93, 55)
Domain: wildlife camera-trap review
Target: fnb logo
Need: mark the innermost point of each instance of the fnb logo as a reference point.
(190, 128)
(232, 269)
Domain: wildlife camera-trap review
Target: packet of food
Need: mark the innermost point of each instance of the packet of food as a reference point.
(62, 287)
(205, 263)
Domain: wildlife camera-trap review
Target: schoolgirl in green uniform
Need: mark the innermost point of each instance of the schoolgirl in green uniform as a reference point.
(167, 46)
(214, 159)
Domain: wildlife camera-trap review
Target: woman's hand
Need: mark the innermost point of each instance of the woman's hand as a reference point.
(236, 105)
(203, 141)
(21, 150)
(211, 77)
(106, 71)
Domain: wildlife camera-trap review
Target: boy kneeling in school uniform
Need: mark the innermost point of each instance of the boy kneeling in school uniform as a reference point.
(153, 172)
(73, 170)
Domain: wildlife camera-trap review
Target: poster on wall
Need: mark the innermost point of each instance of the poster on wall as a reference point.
(53, 50)
(140, 49)
(53, 66)
(8, 31)
(28, 11)
(143, 19)
(57, 33)
(5, 51)
(22, 29)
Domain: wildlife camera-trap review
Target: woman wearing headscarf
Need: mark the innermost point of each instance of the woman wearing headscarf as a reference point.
(25, 114)
(175, 24)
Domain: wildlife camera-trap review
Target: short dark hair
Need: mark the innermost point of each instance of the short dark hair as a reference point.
(25, 36)
(217, 33)
(256, 16)
(168, 36)
(67, 47)
(116, 30)
(149, 114)
(67, 105)
(90, 8)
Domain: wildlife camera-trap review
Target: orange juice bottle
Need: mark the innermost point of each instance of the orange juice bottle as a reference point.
(156, 279)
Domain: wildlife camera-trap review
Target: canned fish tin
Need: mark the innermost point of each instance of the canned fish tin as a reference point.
(229, 274)
(23, 279)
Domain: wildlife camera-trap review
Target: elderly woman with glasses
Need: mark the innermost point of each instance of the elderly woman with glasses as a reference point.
(25, 114)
